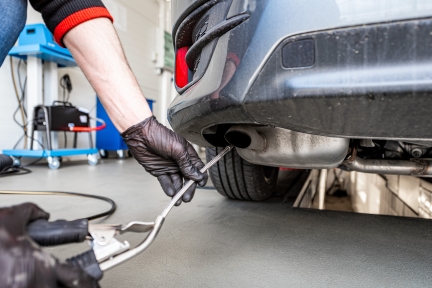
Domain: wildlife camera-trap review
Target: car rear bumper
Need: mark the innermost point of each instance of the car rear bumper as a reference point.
(353, 81)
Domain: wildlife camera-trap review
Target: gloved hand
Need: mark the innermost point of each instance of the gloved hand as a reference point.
(165, 155)
(23, 263)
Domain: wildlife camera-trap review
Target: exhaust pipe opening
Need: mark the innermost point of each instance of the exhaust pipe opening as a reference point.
(244, 137)
(238, 139)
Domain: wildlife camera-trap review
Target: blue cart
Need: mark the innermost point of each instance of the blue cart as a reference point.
(37, 41)
(53, 156)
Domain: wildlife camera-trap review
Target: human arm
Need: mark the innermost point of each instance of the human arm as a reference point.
(96, 48)
(87, 24)
(162, 153)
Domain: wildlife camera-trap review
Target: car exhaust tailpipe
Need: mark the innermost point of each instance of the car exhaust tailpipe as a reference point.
(245, 137)
(277, 147)
(416, 167)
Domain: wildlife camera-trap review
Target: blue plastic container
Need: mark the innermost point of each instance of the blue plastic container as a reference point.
(37, 40)
(109, 139)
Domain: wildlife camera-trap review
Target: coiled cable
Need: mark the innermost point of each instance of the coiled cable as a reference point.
(7, 168)
(61, 193)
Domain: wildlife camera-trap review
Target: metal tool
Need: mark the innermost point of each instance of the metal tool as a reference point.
(107, 252)
(110, 252)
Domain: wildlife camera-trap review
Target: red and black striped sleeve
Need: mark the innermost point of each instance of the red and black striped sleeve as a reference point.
(60, 16)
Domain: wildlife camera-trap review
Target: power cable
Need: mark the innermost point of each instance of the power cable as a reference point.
(22, 87)
(20, 107)
(62, 193)
(7, 167)
(66, 84)
(15, 171)
(20, 104)
(37, 141)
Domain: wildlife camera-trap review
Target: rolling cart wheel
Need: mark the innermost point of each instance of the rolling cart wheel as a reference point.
(16, 162)
(103, 153)
(54, 163)
(92, 159)
(121, 154)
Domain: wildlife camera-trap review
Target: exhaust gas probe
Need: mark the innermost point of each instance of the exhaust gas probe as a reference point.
(106, 251)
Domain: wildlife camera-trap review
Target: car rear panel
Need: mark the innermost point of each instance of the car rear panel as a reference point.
(347, 79)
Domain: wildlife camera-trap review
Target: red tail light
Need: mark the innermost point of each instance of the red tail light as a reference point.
(181, 68)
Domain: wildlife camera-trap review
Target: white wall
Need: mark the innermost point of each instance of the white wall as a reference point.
(136, 22)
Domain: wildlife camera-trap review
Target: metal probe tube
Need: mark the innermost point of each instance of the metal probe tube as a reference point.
(116, 260)
(190, 182)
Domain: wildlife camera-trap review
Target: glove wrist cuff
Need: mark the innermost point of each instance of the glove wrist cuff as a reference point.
(131, 131)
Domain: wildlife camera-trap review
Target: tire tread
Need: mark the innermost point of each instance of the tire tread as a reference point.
(235, 178)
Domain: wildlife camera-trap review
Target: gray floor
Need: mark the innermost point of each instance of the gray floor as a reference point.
(214, 242)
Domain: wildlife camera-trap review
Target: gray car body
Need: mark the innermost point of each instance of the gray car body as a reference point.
(213, 100)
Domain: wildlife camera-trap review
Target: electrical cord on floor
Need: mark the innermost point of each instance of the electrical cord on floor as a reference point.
(35, 161)
(15, 171)
(7, 168)
(61, 193)
(32, 139)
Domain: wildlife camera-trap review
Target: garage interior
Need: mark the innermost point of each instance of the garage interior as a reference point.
(321, 228)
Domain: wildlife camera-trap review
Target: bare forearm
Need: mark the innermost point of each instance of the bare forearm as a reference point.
(96, 48)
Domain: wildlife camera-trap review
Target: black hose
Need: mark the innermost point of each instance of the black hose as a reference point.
(15, 171)
(6, 162)
(93, 217)
(7, 167)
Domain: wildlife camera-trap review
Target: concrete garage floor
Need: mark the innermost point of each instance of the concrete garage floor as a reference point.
(215, 242)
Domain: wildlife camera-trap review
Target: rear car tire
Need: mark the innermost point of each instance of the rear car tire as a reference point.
(238, 179)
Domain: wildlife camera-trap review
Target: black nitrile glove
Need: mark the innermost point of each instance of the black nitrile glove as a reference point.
(23, 263)
(165, 155)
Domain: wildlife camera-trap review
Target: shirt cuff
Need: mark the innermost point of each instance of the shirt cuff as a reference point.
(77, 18)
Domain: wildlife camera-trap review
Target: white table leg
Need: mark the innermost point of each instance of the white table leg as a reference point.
(34, 95)
(50, 71)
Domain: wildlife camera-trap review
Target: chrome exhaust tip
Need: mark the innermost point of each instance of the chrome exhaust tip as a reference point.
(245, 137)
